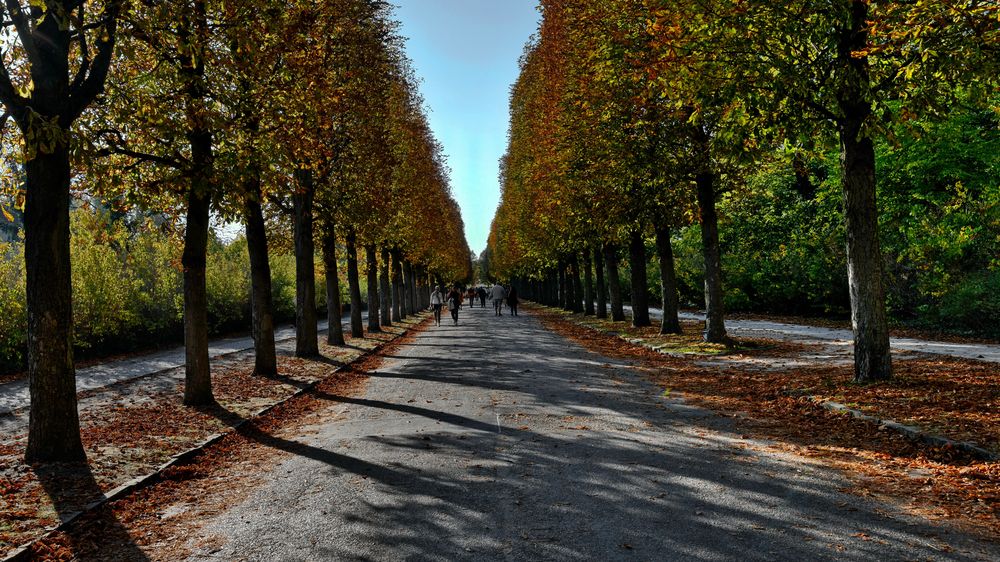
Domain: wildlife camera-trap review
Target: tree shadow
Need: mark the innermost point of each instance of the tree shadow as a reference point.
(72, 488)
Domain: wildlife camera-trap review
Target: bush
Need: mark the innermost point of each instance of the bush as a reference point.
(972, 306)
(228, 283)
(13, 317)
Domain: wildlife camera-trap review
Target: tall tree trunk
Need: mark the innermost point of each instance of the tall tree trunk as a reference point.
(334, 308)
(564, 298)
(602, 289)
(640, 286)
(408, 288)
(614, 283)
(53, 104)
(397, 287)
(261, 305)
(198, 379)
(668, 282)
(588, 285)
(306, 335)
(357, 327)
(197, 372)
(384, 286)
(872, 360)
(715, 315)
(373, 301)
(53, 425)
(576, 289)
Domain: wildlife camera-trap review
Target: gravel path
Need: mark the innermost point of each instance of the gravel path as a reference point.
(14, 395)
(842, 338)
(499, 440)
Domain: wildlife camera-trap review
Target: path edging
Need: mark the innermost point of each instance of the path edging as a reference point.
(23, 552)
(910, 431)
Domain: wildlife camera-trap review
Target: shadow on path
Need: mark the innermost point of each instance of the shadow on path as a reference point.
(71, 487)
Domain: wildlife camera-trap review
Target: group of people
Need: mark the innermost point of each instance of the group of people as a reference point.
(455, 297)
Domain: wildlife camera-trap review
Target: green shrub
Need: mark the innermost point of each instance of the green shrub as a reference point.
(228, 284)
(972, 306)
(13, 317)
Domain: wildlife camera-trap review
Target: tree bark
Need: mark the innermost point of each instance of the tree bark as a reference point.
(715, 315)
(334, 308)
(564, 299)
(614, 283)
(588, 285)
(373, 300)
(385, 288)
(306, 335)
(408, 299)
(872, 360)
(397, 287)
(668, 282)
(575, 291)
(261, 305)
(357, 326)
(640, 286)
(602, 290)
(53, 425)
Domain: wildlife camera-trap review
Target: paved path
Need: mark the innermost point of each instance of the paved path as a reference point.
(14, 395)
(499, 440)
(842, 337)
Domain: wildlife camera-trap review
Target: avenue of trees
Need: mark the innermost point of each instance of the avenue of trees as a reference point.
(766, 130)
(298, 120)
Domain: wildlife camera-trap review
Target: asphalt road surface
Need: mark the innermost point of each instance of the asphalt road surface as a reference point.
(499, 440)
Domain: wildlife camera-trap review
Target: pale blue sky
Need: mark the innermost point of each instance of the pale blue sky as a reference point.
(466, 53)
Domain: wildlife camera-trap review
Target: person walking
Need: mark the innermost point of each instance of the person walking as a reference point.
(437, 301)
(481, 291)
(512, 300)
(498, 294)
(454, 301)
(471, 295)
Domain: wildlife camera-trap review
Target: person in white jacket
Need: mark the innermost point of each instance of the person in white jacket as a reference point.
(498, 294)
(437, 301)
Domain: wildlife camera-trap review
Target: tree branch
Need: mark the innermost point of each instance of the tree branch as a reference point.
(88, 88)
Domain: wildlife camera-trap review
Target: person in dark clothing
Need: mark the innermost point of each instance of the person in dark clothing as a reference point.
(482, 296)
(454, 301)
(512, 300)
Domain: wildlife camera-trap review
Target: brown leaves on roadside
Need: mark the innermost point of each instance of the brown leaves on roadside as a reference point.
(956, 398)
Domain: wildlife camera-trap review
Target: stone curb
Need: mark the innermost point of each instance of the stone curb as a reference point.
(909, 431)
(23, 552)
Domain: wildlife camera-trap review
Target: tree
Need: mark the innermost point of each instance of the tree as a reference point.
(54, 68)
(859, 66)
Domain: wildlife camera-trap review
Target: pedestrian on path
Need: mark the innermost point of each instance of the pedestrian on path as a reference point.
(454, 301)
(481, 291)
(437, 301)
(512, 300)
(498, 294)
(471, 295)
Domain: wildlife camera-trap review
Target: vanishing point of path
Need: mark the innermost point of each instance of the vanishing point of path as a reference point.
(497, 439)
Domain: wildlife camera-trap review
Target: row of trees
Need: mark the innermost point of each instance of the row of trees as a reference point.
(298, 118)
(631, 117)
